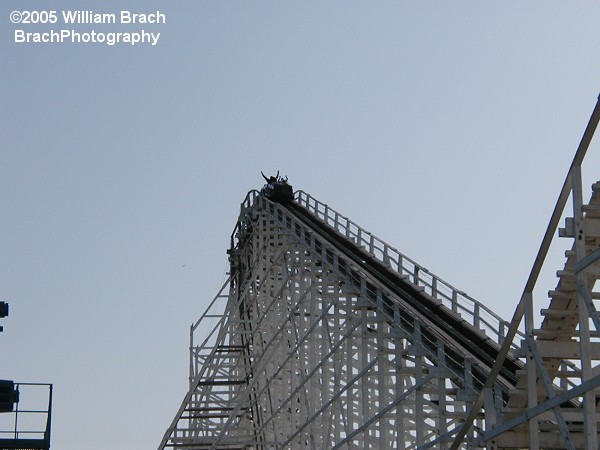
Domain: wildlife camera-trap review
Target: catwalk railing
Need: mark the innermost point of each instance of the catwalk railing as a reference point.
(472, 311)
(28, 425)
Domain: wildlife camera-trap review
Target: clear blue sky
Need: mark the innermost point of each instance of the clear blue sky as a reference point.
(446, 128)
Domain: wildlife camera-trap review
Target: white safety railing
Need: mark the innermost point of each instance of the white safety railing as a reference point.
(469, 309)
(474, 312)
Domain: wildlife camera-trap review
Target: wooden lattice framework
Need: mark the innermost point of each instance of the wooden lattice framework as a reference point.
(326, 337)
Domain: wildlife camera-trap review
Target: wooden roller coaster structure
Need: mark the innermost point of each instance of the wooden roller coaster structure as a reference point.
(326, 337)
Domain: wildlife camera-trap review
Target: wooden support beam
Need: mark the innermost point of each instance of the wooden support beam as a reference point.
(566, 349)
(520, 439)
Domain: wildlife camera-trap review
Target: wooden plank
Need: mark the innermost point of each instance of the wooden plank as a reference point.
(565, 349)
(559, 313)
(520, 439)
(591, 228)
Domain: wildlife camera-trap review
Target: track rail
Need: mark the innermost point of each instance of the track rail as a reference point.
(445, 320)
(451, 311)
(476, 313)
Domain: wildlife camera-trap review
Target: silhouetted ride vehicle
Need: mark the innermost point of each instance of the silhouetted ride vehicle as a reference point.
(277, 189)
(278, 192)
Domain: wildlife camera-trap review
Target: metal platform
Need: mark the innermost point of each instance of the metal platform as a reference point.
(28, 426)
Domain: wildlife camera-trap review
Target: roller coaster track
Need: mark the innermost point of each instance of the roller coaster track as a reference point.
(326, 337)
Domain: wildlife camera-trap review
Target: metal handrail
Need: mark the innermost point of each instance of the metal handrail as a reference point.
(476, 313)
(13, 438)
(471, 310)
